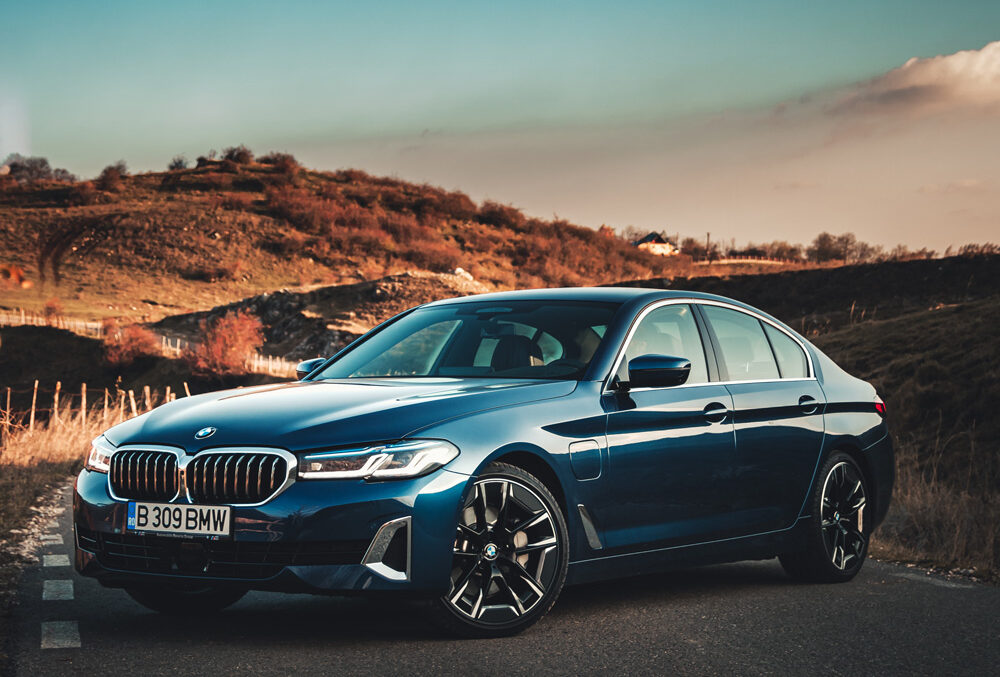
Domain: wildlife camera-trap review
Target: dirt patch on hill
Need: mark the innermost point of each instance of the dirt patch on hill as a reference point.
(300, 325)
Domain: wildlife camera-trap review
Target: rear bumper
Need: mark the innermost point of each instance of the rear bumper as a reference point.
(316, 536)
(881, 460)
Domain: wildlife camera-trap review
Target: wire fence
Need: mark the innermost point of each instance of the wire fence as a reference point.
(172, 347)
(57, 407)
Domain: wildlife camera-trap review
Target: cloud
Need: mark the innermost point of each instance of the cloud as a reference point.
(969, 79)
(960, 187)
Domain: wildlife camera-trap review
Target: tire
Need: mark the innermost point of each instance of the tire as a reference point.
(185, 601)
(511, 556)
(836, 543)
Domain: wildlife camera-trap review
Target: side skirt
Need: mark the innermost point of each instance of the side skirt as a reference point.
(758, 546)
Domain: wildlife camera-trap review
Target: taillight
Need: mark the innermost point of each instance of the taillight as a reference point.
(880, 406)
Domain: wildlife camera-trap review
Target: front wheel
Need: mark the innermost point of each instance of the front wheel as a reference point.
(511, 554)
(185, 601)
(837, 541)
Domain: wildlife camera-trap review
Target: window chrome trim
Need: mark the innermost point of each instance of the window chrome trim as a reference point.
(183, 459)
(703, 302)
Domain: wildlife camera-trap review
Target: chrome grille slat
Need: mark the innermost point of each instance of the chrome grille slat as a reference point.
(144, 475)
(215, 477)
(236, 477)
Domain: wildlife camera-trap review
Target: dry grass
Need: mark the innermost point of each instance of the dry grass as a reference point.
(950, 523)
(939, 373)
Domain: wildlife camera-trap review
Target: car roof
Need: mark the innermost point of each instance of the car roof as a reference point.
(595, 294)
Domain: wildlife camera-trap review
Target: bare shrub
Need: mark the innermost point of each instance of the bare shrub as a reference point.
(124, 345)
(284, 163)
(214, 273)
(177, 163)
(226, 343)
(84, 193)
(52, 310)
(110, 178)
(240, 154)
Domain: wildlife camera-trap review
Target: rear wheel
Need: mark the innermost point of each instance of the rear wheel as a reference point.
(510, 556)
(185, 601)
(837, 540)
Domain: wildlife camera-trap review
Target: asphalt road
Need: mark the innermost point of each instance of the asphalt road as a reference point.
(743, 618)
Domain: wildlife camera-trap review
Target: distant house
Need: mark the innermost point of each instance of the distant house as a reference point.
(655, 243)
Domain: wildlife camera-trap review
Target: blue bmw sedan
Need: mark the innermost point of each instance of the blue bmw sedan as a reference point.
(480, 453)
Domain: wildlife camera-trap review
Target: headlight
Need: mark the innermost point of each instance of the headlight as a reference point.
(99, 458)
(411, 458)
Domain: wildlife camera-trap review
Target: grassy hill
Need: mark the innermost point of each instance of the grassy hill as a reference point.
(156, 244)
(939, 372)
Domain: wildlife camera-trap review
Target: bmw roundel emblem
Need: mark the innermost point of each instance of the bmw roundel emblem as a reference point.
(204, 433)
(490, 552)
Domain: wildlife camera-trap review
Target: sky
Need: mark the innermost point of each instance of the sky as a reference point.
(750, 120)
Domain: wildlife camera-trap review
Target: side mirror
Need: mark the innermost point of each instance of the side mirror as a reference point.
(303, 369)
(658, 371)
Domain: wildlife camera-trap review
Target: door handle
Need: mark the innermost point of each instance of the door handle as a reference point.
(715, 412)
(808, 404)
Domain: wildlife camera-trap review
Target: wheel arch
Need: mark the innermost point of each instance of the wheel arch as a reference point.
(534, 463)
(859, 457)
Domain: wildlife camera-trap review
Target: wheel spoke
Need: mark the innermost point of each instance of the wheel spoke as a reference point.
(540, 545)
(479, 507)
(469, 531)
(506, 495)
(463, 583)
(532, 582)
(532, 521)
(513, 595)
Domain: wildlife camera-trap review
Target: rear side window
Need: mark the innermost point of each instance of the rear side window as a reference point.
(746, 352)
(791, 360)
(668, 330)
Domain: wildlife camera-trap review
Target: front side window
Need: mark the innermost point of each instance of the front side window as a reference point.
(746, 352)
(668, 330)
(512, 339)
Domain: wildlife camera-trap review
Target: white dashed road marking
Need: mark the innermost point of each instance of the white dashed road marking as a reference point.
(57, 590)
(51, 539)
(55, 561)
(60, 635)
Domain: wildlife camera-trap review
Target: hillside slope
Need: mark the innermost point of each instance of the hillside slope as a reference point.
(161, 243)
(939, 372)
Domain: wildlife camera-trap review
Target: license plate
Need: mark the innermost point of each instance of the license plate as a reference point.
(184, 520)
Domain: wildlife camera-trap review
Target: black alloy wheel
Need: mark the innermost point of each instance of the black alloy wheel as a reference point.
(510, 555)
(837, 541)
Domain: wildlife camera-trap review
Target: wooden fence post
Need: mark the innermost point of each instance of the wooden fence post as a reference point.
(131, 401)
(34, 397)
(145, 393)
(104, 415)
(166, 394)
(6, 419)
(55, 402)
(187, 391)
(121, 406)
(83, 405)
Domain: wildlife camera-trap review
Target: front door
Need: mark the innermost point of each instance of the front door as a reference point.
(671, 450)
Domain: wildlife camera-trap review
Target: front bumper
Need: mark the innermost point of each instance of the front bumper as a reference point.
(334, 536)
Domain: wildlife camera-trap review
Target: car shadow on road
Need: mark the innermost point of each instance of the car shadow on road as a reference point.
(303, 619)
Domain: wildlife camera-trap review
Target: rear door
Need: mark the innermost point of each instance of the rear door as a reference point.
(777, 413)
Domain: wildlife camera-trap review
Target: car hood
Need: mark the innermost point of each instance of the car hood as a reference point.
(322, 414)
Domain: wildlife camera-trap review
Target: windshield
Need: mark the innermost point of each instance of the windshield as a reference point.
(512, 339)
